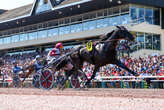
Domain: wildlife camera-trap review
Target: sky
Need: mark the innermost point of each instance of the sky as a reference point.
(11, 4)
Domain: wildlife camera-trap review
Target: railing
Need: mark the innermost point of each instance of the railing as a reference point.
(131, 81)
(126, 77)
(136, 82)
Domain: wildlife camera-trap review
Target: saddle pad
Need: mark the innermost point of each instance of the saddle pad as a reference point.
(99, 47)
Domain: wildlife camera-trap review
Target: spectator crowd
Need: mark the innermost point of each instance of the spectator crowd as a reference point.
(144, 66)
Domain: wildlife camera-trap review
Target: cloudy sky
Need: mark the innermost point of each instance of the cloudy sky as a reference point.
(10, 4)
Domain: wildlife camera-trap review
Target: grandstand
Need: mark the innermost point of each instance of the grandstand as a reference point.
(45, 22)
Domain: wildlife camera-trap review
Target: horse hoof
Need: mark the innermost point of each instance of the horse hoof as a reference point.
(84, 89)
(60, 87)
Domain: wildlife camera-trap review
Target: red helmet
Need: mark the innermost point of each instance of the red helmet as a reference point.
(59, 45)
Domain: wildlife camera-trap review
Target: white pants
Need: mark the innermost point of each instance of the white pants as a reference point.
(50, 59)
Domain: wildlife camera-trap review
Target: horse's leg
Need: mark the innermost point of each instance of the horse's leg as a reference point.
(26, 76)
(93, 75)
(118, 63)
(67, 75)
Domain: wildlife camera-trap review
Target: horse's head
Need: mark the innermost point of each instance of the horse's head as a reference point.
(122, 33)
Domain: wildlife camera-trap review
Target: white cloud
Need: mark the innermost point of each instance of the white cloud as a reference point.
(11, 4)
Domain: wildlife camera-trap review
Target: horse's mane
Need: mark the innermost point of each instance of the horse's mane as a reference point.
(106, 36)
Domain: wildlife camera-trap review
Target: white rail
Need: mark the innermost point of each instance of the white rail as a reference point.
(120, 77)
(105, 78)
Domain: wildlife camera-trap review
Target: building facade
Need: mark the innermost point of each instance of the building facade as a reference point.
(46, 22)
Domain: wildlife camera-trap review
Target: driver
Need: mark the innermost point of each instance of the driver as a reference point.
(37, 63)
(55, 53)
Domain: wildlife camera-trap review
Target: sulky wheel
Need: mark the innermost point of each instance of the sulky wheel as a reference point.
(75, 82)
(59, 82)
(46, 79)
(78, 80)
(16, 81)
(36, 80)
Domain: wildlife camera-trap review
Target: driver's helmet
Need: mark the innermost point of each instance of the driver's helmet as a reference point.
(59, 45)
(37, 57)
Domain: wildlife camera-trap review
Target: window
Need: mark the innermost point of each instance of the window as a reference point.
(148, 41)
(52, 32)
(156, 42)
(7, 40)
(102, 23)
(141, 14)
(125, 19)
(76, 28)
(15, 38)
(133, 13)
(42, 34)
(1, 41)
(42, 6)
(23, 37)
(114, 21)
(32, 35)
(140, 39)
(89, 25)
(64, 30)
(149, 15)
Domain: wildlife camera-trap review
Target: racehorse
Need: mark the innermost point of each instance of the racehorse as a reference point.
(106, 54)
(31, 68)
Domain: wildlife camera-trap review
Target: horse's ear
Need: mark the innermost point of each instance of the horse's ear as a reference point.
(123, 28)
(118, 27)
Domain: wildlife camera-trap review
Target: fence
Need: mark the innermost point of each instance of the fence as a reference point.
(110, 82)
(131, 82)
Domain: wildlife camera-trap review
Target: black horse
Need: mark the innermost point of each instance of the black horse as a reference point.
(106, 54)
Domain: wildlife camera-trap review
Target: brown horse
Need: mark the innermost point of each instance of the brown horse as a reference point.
(27, 71)
(30, 69)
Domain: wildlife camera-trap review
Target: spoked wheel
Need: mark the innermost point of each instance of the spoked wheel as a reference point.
(46, 79)
(78, 80)
(75, 83)
(59, 82)
(36, 80)
(16, 81)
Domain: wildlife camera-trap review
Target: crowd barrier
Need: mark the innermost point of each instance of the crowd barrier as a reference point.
(109, 82)
(131, 81)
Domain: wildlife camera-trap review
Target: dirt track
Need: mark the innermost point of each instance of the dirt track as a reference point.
(92, 99)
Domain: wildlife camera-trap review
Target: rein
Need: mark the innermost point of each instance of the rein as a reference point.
(109, 40)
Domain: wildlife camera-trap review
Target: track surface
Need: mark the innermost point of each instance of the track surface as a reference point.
(91, 99)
